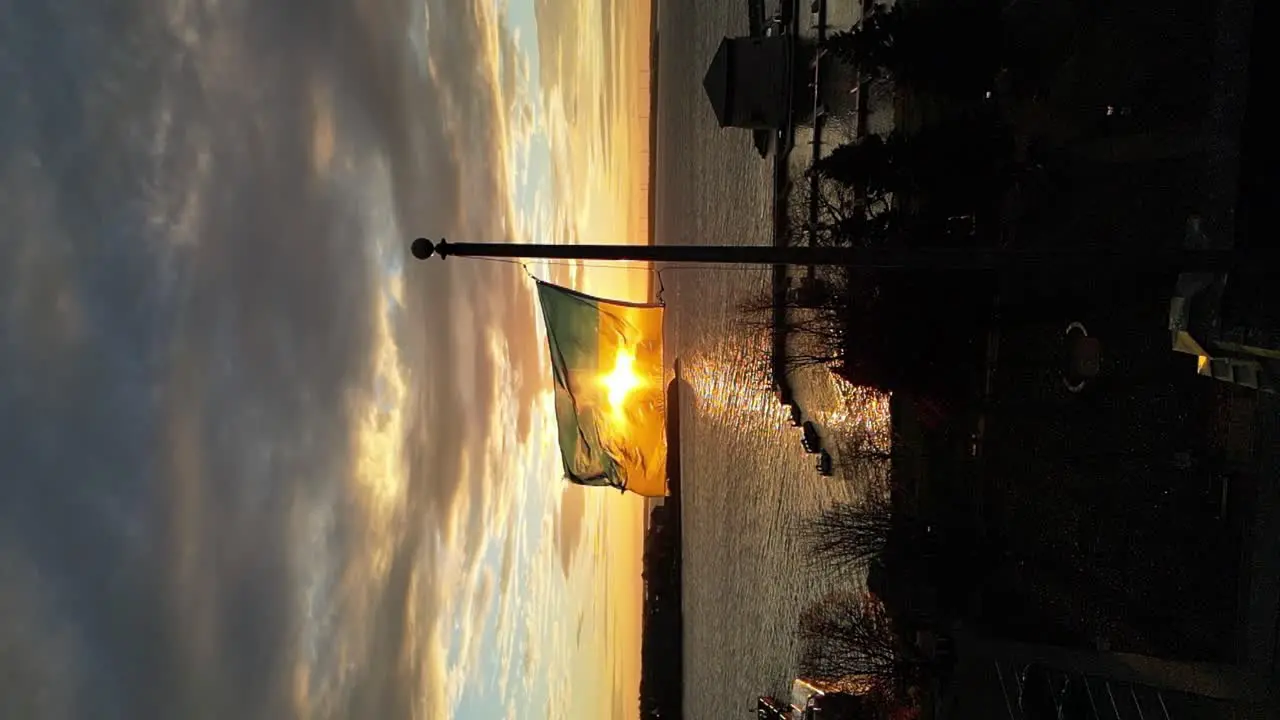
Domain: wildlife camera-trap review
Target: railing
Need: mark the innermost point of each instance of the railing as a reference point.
(1038, 693)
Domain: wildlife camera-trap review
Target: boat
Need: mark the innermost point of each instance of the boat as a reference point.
(812, 441)
(825, 464)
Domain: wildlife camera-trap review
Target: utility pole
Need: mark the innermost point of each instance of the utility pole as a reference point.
(944, 259)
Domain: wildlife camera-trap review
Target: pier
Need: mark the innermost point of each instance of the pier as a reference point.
(805, 46)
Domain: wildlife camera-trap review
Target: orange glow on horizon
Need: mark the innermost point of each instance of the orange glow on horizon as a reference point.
(601, 155)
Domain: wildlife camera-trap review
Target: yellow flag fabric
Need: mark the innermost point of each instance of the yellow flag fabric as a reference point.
(606, 360)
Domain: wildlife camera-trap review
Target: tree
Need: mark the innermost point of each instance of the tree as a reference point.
(872, 165)
(813, 324)
(875, 328)
(866, 443)
(661, 651)
(870, 45)
(962, 165)
(835, 210)
(850, 534)
(849, 639)
(863, 461)
(954, 48)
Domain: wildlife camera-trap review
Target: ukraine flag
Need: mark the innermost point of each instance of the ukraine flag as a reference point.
(606, 358)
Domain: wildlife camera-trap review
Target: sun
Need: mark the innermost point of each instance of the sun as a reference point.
(621, 380)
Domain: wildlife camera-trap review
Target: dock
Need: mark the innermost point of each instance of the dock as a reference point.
(781, 220)
(782, 182)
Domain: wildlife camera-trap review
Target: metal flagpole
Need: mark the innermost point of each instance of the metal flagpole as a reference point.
(1102, 258)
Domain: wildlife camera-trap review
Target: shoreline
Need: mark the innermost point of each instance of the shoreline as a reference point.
(661, 691)
(784, 139)
(651, 202)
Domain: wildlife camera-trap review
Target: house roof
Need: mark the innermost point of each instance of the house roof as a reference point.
(717, 82)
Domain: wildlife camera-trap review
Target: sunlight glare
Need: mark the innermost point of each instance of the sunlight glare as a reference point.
(620, 381)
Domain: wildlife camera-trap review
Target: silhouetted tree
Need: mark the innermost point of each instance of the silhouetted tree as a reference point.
(813, 324)
(661, 652)
(849, 637)
(865, 443)
(823, 210)
(872, 164)
(849, 534)
(962, 165)
(871, 45)
(953, 47)
(876, 330)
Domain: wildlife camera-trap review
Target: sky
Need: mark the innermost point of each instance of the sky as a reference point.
(254, 460)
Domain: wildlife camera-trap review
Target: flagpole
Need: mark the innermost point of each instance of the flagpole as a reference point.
(924, 258)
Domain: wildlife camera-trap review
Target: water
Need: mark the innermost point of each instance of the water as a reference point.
(747, 482)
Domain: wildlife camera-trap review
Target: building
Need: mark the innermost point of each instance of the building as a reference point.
(749, 82)
(812, 703)
(771, 708)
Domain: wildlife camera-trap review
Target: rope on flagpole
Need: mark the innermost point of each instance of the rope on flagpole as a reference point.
(606, 264)
(524, 264)
(619, 264)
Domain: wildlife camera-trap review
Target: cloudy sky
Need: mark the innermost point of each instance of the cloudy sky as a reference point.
(253, 463)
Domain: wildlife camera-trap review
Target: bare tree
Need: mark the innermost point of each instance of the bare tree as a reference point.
(827, 210)
(866, 444)
(864, 458)
(847, 638)
(813, 324)
(849, 534)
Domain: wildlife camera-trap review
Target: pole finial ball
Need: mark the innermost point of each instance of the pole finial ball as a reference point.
(423, 248)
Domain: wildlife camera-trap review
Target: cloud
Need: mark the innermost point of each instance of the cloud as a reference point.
(569, 533)
(259, 460)
(201, 380)
(506, 570)
(32, 653)
(458, 295)
(474, 618)
(531, 657)
(472, 57)
(559, 699)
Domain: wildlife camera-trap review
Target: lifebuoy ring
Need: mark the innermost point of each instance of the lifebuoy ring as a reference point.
(1077, 385)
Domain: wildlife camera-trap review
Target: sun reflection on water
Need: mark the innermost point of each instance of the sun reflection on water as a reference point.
(726, 392)
(861, 410)
(734, 392)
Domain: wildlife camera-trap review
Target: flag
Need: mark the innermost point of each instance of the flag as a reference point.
(606, 360)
